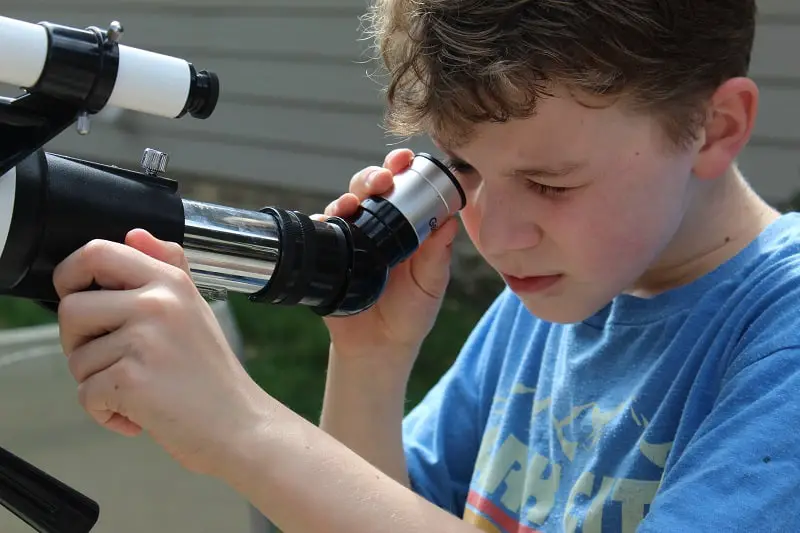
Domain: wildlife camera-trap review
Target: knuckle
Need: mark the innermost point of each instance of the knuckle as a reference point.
(176, 253)
(139, 341)
(95, 249)
(67, 308)
(67, 317)
(178, 277)
(159, 301)
(126, 375)
(359, 178)
(182, 282)
(84, 395)
(76, 366)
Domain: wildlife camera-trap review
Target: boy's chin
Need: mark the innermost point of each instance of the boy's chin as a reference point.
(560, 310)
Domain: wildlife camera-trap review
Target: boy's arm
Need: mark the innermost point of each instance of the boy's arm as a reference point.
(742, 468)
(304, 480)
(363, 408)
(434, 449)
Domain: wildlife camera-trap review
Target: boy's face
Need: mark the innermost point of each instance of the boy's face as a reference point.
(620, 198)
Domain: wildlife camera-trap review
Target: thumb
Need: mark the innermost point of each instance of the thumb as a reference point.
(430, 265)
(165, 251)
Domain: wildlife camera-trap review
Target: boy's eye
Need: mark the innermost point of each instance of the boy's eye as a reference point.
(546, 190)
(463, 168)
(458, 166)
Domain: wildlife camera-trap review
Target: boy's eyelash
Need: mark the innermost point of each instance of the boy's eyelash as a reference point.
(544, 190)
(457, 166)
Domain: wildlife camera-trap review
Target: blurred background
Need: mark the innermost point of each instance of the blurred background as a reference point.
(299, 113)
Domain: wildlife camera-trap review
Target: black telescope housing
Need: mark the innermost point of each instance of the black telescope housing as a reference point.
(51, 205)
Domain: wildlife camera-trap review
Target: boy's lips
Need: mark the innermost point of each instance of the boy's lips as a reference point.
(531, 284)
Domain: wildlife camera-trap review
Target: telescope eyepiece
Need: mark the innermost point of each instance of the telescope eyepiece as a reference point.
(203, 94)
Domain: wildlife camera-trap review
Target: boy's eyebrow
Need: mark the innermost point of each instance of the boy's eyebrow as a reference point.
(527, 172)
(546, 172)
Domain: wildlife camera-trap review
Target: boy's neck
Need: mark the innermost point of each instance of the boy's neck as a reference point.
(725, 216)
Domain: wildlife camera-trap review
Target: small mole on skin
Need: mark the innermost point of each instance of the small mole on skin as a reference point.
(727, 240)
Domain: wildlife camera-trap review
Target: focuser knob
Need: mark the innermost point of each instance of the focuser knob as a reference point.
(154, 162)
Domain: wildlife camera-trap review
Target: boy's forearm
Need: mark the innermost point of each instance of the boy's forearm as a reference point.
(303, 480)
(364, 407)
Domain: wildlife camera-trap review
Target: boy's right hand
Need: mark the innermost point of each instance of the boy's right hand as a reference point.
(405, 313)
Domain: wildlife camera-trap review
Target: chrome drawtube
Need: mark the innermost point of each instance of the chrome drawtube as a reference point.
(229, 249)
(272, 255)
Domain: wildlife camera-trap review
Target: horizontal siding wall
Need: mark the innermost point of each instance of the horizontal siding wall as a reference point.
(298, 108)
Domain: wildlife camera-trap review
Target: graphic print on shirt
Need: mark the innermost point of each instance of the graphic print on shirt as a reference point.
(593, 467)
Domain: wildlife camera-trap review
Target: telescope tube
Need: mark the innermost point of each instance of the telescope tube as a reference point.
(273, 255)
(89, 69)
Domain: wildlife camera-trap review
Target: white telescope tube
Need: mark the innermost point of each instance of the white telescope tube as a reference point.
(145, 81)
(151, 83)
(23, 52)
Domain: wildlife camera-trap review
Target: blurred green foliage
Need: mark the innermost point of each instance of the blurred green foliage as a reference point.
(287, 350)
(16, 313)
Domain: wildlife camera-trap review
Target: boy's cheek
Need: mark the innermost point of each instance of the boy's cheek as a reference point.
(471, 220)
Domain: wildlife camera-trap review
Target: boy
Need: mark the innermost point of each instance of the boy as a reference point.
(638, 366)
(639, 372)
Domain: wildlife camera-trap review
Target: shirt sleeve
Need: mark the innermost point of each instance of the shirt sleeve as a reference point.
(442, 434)
(741, 470)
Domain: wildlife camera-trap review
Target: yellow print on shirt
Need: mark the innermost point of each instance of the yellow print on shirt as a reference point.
(530, 482)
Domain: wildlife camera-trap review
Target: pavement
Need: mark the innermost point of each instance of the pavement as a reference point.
(138, 486)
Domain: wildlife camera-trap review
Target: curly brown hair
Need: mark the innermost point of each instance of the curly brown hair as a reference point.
(454, 63)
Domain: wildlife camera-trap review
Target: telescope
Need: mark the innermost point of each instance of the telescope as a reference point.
(53, 204)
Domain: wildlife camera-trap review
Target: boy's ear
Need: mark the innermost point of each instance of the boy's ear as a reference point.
(730, 118)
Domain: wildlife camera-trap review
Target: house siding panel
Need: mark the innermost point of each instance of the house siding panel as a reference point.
(298, 107)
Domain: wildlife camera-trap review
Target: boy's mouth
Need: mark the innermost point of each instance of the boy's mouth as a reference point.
(531, 284)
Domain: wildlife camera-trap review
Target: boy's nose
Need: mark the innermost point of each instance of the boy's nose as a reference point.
(507, 229)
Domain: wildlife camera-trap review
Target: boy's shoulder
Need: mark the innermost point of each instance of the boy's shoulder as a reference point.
(760, 294)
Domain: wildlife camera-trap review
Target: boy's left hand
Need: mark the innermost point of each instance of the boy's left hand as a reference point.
(148, 353)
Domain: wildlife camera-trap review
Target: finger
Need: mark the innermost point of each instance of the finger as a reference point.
(110, 264)
(83, 316)
(100, 354)
(371, 181)
(169, 252)
(99, 395)
(120, 424)
(344, 206)
(430, 265)
(397, 160)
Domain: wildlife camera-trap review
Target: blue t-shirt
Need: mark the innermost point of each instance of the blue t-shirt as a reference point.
(672, 414)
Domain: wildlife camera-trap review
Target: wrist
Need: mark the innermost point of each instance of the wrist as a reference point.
(386, 367)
